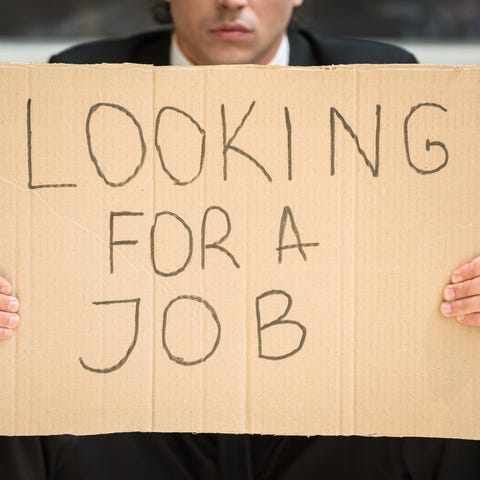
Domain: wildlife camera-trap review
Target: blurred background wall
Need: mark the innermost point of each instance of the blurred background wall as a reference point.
(437, 31)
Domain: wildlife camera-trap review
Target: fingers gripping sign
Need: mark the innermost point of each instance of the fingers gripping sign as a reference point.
(9, 305)
(462, 295)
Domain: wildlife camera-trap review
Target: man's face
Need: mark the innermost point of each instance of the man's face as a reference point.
(230, 31)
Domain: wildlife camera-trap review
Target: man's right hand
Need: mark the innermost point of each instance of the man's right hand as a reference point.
(9, 318)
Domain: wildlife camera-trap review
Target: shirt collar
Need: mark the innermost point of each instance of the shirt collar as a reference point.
(178, 59)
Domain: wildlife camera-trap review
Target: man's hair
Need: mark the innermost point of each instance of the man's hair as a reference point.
(161, 12)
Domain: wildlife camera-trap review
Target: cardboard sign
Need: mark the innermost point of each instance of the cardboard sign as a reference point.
(239, 249)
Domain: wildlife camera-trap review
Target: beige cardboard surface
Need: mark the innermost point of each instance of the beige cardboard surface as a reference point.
(142, 213)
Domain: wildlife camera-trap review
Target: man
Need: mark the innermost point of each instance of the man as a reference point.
(234, 31)
(223, 32)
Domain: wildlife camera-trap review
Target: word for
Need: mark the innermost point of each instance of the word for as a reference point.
(286, 220)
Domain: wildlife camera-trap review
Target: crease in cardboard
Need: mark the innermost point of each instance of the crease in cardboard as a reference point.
(245, 427)
(17, 237)
(354, 286)
(203, 396)
(348, 334)
(27, 238)
(153, 296)
(66, 218)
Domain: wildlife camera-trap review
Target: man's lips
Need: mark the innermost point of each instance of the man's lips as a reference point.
(231, 31)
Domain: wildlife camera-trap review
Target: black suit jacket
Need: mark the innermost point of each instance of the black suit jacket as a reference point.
(307, 48)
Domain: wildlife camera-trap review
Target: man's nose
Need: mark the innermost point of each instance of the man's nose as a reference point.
(232, 4)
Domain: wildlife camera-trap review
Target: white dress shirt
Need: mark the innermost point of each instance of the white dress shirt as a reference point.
(178, 59)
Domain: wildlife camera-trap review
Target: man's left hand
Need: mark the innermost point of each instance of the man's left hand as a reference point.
(462, 296)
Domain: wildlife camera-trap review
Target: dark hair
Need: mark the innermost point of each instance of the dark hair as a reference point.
(161, 12)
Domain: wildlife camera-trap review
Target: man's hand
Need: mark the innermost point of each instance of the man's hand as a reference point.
(9, 318)
(462, 296)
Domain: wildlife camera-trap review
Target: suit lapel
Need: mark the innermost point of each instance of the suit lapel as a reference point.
(156, 50)
(302, 51)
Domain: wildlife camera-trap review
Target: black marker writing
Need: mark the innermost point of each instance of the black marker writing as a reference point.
(31, 185)
(136, 302)
(428, 143)
(334, 113)
(216, 245)
(93, 157)
(152, 244)
(213, 314)
(288, 215)
(200, 130)
(278, 322)
(113, 242)
(288, 124)
(227, 144)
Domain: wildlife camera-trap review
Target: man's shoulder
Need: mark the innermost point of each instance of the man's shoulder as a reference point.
(355, 50)
(148, 47)
(308, 45)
